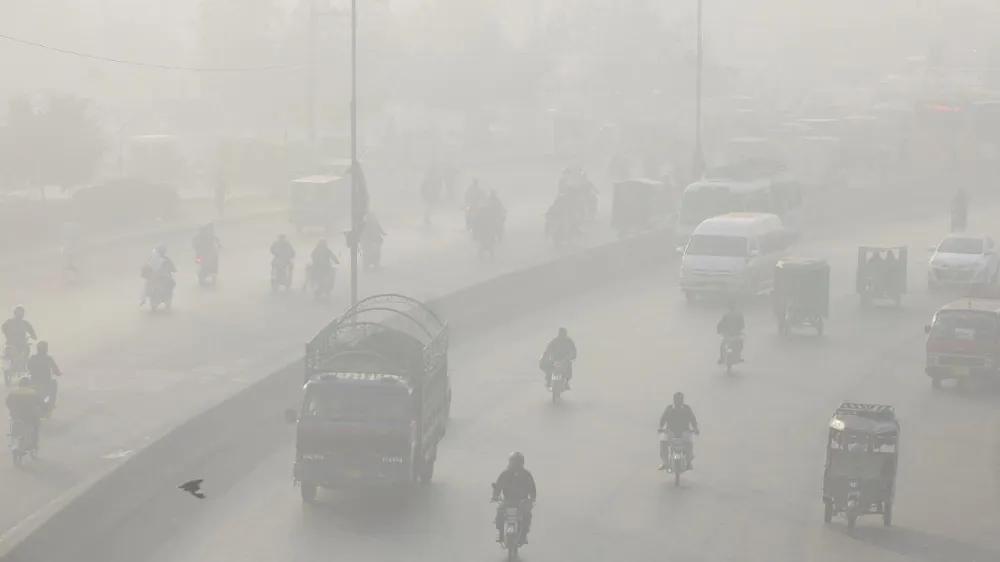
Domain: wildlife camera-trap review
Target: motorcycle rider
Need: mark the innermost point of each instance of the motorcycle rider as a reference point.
(158, 269)
(561, 348)
(475, 197)
(206, 244)
(678, 418)
(495, 212)
(324, 261)
(24, 403)
(730, 327)
(372, 236)
(42, 368)
(18, 331)
(515, 484)
(282, 251)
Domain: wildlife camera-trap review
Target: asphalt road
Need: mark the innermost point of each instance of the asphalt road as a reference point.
(130, 376)
(755, 493)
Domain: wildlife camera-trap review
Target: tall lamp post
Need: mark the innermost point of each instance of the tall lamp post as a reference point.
(357, 218)
(698, 160)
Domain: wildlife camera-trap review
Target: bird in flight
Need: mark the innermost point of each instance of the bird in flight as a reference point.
(194, 488)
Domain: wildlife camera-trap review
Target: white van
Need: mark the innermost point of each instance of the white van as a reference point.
(733, 254)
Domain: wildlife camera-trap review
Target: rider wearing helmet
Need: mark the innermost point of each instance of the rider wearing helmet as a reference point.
(206, 244)
(158, 268)
(561, 348)
(678, 418)
(514, 486)
(731, 326)
(24, 403)
(282, 250)
(42, 368)
(17, 330)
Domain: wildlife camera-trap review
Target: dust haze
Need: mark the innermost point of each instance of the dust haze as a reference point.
(554, 216)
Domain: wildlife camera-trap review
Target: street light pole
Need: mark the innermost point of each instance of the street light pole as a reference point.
(355, 168)
(311, 79)
(698, 160)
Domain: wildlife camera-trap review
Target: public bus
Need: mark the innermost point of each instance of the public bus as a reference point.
(756, 186)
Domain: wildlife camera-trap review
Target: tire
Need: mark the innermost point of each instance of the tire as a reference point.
(827, 511)
(677, 479)
(512, 552)
(819, 326)
(690, 296)
(309, 492)
(852, 521)
(887, 514)
(935, 383)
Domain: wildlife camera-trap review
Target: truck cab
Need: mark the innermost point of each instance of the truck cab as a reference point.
(963, 340)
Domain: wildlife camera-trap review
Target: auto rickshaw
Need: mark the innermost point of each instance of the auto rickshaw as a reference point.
(862, 451)
(801, 293)
(640, 204)
(881, 274)
(319, 202)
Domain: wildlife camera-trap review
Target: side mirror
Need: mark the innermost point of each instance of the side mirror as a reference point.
(291, 416)
(679, 249)
(927, 329)
(932, 249)
(754, 254)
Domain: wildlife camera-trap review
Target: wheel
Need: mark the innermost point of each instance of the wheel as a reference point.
(852, 521)
(18, 459)
(677, 479)
(426, 472)
(308, 492)
(827, 511)
(887, 514)
(512, 552)
(690, 296)
(897, 300)
(935, 383)
(819, 326)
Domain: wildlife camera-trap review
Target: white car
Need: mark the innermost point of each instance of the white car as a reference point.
(964, 259)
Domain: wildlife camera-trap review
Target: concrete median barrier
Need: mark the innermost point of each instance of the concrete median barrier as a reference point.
(93, 509)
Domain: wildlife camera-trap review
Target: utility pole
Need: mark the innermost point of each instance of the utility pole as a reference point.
(356, 221)
(311, 79)
(698, 160)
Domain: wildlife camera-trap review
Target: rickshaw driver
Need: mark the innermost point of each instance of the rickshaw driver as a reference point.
(876, 272)
(889, 267)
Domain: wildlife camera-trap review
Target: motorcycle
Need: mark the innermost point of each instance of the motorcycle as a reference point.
(281, 275)
(510, 535)
(161, 292)
(14, 363)
(208, 269)
(732, 352)
(673, 454)
(20, 442)
(559, 379)
(322, 283)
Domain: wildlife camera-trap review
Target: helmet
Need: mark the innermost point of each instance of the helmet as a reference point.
(25, 380)
(321, 243)
(19, 312)
(282, 237)
(515, 460)
(732, 306)
(678, 398)
(162, 249)
(42, 347)
(209, 227)
(563, 332)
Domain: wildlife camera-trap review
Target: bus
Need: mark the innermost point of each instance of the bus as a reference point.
(758, 186)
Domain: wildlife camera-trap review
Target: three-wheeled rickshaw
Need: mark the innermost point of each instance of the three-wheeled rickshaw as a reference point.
(862, 451)
(801, 293)
(881, 274)
(319, 202)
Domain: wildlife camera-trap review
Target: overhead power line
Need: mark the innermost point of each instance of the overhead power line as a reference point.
(147, 64)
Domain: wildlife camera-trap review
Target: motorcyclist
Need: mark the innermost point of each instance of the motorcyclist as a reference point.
(730, 327)
(42, 368)
(158, 269)
(206, 243)
(561, 348)
(17, 331)
(324, 261)
(24, 403)
(475, 197)
(512, 488)
(678, 418)
(282, 251)
(372, 236)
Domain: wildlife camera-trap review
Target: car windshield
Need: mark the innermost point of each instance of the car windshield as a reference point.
(358, 403)
(961, 246)
(713, 245)
(966, 325)
(705, 203)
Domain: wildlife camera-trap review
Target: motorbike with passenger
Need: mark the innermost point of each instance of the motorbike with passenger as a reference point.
(862, 453)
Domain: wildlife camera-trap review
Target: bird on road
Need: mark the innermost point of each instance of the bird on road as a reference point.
(194, 488)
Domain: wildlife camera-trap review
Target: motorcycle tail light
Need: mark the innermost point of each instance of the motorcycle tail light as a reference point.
(197, 260)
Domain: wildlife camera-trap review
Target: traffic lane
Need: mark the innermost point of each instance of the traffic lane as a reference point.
(593, 456)
(138, 375)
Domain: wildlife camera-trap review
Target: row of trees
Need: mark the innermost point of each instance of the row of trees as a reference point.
(53, 142)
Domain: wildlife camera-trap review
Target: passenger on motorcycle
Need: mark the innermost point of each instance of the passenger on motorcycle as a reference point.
(282, 251)
(678, 419)
(43, 369)
(17, 331)
(561, 348)
(158, 269)
(730, 328)
(512, 488)
(373, 233)
(24, 403)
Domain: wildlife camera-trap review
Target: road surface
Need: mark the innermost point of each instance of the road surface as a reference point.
(755, 493)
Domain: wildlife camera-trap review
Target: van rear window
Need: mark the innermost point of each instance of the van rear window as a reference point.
(968, 325)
